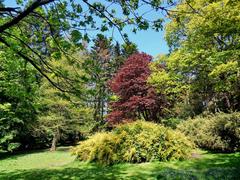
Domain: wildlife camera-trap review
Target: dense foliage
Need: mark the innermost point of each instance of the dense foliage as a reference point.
(135, 142)
(37, 29)
(62, 78)
(220, 132)
(9, 125)
(18, 87)
(103, 61)
(202, 70)
(135, 98)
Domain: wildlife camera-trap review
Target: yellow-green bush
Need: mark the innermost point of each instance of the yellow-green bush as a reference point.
(220, 132)
(101, 147)
(135, 142)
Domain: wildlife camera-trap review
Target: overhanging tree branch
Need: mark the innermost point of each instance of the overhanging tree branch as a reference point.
(19, 53)
(8, 9)
(16, 16)
(22, 15)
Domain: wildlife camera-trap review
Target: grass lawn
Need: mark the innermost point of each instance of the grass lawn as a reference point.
(61, 165)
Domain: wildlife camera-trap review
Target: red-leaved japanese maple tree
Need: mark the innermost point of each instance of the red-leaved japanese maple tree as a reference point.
(137, 99)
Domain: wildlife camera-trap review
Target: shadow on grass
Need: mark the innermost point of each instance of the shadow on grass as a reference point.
(89, 172)
(215, 160)
(15, 155)
(18, 154)
(213, 166)
(104, 173)
(211, 173)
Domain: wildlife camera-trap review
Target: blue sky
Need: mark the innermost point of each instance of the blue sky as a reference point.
(149, 41)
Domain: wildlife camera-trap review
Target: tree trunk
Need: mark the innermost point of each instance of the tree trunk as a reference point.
(54, 143)
(55, 139)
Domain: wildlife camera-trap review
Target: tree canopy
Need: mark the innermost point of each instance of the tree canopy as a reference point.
(136, 99)
(204, 58)
(64, 76)
(58, 26)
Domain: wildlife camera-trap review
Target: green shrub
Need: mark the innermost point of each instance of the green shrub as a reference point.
(101, 147)
(171, 122)
(220, 132)
(135, 142)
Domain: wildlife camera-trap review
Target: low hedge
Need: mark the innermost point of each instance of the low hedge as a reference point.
(135, 142)
(219, 132)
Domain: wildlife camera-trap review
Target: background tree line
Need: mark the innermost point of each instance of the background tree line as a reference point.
(55, 89)
(36, 114)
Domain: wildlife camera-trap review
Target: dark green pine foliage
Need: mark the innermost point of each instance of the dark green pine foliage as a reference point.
(104, 60)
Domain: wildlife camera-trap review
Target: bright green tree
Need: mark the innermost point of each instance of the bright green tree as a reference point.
(61, 113)
(18, 85)
(204, 40)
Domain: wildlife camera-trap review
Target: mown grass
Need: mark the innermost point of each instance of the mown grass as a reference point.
(61, 165)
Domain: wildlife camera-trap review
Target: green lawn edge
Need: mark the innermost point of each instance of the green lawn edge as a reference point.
(62, 165)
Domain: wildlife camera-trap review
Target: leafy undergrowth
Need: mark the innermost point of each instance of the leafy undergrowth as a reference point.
(61, 165)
